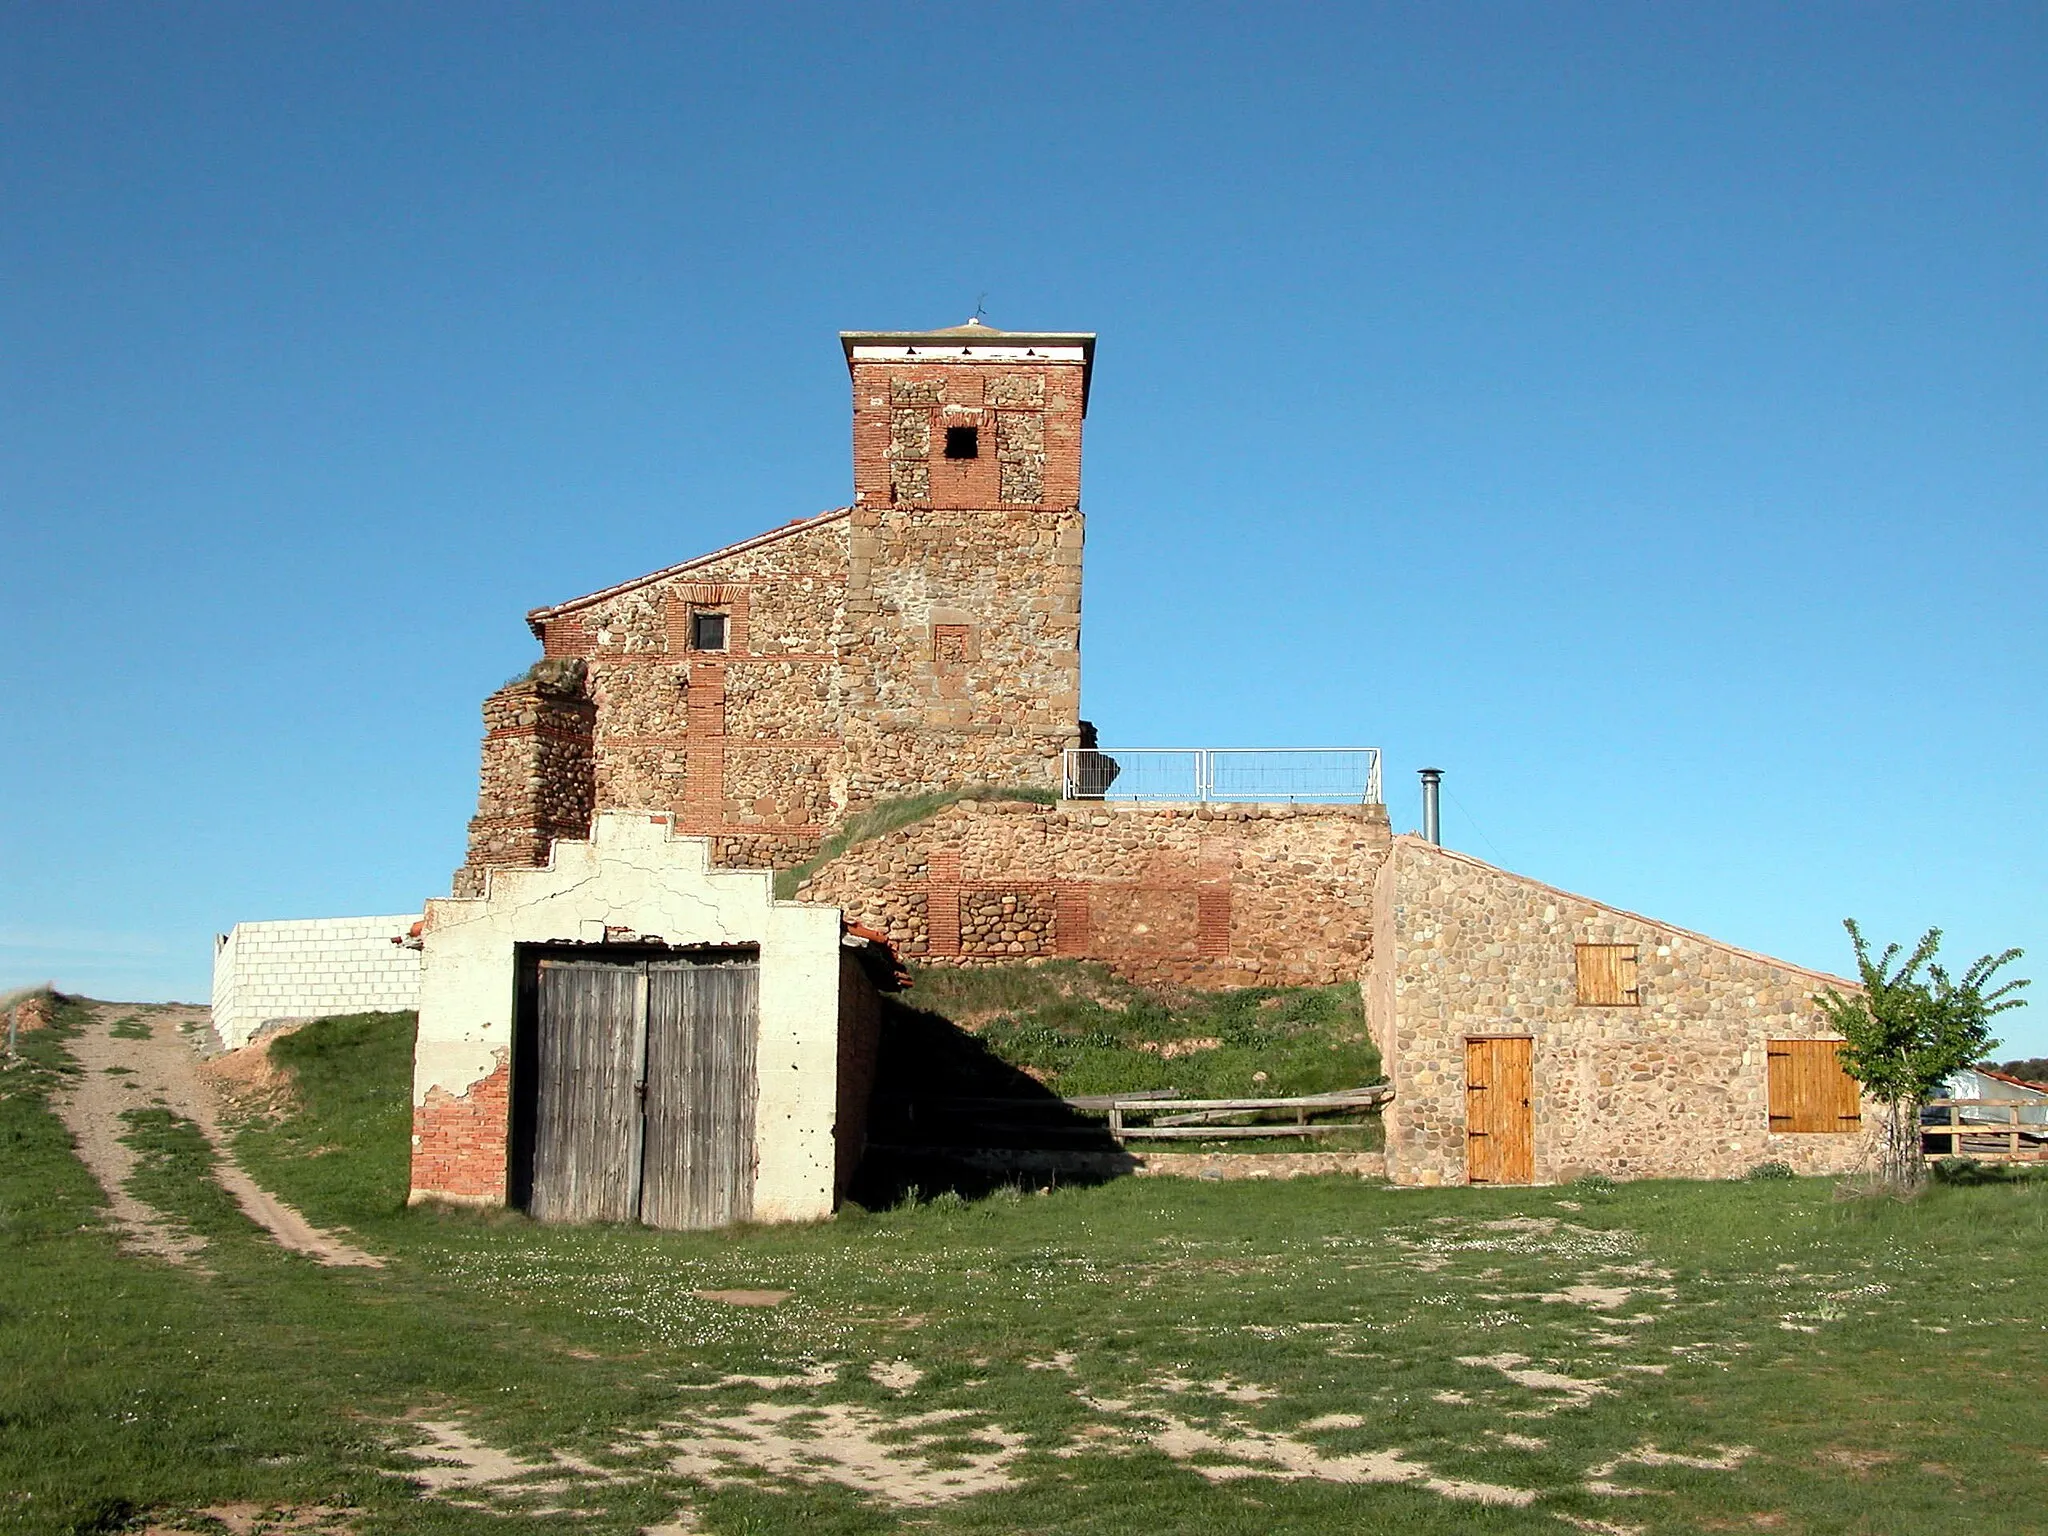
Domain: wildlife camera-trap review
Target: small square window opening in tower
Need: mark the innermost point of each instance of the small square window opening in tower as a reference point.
(963, 442)
(707, 631)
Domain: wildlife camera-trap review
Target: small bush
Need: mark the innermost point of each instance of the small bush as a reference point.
(1764, 1171)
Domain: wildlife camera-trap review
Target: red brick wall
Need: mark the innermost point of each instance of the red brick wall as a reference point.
(459, 1144)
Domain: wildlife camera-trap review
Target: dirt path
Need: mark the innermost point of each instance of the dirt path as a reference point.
(128, 1071)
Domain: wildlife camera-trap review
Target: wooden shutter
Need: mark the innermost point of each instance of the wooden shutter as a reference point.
(1607, 975)
(1809, 1091)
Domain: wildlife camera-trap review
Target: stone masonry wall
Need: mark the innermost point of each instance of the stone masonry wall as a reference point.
(744, 742)
(1211, 895)
(537, 781)
(963, 659)
(1674, 1086)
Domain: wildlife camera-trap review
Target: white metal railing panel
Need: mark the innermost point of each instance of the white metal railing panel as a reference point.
(1241, 775)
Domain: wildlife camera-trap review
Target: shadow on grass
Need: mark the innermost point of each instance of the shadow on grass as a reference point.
(949, 1115)
(1965, 1172)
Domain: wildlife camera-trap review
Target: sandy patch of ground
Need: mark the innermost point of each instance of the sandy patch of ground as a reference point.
(247, 1078)
(742, 1298)
(899, 1376)
(914, 1461)
(1730, 1457)
(1168, 1050)
(822, 1373)
(1223, 1386)
(454, 1462)
(1255, 1453)
(159, 1069)
(1576, 1392)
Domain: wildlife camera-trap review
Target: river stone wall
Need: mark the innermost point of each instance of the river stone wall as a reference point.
(1673, 1086)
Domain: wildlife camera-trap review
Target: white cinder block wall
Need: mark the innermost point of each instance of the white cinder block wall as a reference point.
(308, 969)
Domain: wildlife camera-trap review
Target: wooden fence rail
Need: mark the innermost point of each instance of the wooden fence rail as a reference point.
(1196, 1119)
(1172, 1118)
(2025, 1142)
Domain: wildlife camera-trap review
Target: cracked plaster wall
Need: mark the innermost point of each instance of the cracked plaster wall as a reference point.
(635, 875)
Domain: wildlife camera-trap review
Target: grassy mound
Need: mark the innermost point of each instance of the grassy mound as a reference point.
(1078, 1029)
(342, 1151)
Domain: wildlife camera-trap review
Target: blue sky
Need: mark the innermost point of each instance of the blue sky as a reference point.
(1636, 410)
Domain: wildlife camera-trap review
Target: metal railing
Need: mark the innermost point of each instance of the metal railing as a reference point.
(1243, 775)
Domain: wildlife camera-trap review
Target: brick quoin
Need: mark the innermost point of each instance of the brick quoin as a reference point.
(1073, 930)
(459, 1144)
(942, 902)
(1212, 906)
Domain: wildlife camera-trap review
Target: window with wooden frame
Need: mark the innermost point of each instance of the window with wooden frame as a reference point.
(1809, 1091)
(707, 630)
(1607, 975)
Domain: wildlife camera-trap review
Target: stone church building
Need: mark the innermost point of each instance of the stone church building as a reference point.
(928, 636)
(926, 640)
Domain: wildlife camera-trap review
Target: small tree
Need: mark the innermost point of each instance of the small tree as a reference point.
(1905, 1033)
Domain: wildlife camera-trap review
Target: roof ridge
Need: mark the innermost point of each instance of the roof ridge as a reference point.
(535, 616)
(1412, 840)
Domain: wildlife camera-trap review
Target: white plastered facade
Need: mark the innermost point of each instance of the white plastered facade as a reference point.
(636, 880)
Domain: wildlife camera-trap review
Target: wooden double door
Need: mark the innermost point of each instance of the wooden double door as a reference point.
(643, 1087)
(1500, 1125)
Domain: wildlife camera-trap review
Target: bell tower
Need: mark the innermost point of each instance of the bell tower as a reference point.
(963, 600)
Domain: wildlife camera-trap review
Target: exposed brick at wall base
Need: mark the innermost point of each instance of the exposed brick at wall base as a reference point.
(458, 1143)
(1674, 1085)
(1210, 895)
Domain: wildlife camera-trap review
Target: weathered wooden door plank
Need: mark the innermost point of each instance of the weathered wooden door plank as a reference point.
(701, 1087)
(586, 1112)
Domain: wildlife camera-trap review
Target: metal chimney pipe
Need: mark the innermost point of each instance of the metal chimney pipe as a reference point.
(1432, 826)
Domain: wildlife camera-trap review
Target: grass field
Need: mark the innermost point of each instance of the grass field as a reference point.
(1150, 1355)
(1079, 1029)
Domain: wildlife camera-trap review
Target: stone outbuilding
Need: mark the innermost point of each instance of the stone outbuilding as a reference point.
(627, 1033)
(1533, 1036)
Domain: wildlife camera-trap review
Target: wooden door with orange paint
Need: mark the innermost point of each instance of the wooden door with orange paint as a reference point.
(1500, 1126)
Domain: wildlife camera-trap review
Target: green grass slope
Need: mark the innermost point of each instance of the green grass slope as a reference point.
(1079, 1029)
(1661, 1358)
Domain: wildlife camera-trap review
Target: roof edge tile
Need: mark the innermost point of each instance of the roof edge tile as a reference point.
(537, 616)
